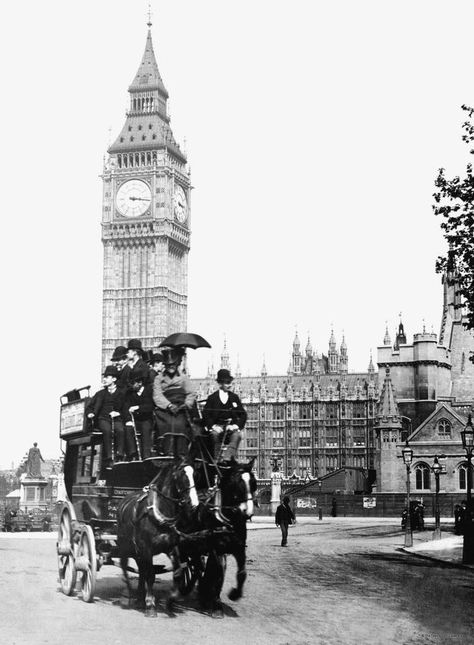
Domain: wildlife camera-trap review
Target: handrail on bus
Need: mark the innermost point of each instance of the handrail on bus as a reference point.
(75, 395)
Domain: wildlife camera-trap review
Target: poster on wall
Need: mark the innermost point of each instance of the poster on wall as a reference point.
(369, 502)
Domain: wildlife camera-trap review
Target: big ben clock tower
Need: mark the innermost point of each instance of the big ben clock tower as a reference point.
(145, 220)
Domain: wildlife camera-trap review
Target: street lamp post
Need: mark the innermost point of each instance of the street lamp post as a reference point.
(467, 436)
(436, 469)
(407, 454)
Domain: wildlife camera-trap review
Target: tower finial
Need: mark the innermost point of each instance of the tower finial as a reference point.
(149, 23)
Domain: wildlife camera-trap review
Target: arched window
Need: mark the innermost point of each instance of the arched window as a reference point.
(462, 474)
(444, 428)
(422, 477)
(462, 477)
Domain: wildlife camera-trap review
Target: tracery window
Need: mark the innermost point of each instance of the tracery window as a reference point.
(422, 477)
(444, 428)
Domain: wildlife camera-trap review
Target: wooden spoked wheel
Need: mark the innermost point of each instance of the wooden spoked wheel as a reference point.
(87, 563)
(65, 547)
(192, 570)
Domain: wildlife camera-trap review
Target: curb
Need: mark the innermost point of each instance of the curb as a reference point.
(445, 563)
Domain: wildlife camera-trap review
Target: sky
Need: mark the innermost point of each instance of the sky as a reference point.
(314, 131)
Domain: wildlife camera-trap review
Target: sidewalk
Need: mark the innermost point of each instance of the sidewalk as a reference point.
(447, 549)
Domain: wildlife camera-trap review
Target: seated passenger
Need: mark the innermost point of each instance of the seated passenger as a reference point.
(174, 398)
(139, 402)
(105, 409)
(135, 353)
(120, 360)
(224, 417)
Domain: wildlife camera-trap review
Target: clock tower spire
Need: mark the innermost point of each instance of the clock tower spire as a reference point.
(145, 219)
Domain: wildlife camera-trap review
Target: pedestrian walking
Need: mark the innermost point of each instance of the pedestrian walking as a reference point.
(284, 516)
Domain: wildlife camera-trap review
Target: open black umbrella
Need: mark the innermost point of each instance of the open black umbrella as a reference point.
(183, 339)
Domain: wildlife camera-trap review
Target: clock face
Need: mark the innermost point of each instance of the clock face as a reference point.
(180, 204)
(133, 198)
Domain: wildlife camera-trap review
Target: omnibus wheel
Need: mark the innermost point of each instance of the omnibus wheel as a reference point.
(65, 548)
(86, 563)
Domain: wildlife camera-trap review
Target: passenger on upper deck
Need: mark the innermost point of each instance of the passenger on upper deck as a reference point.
(224, 416)
(120, 360)
(139, 402)
(135, 358)
(174, 398)
(156, 365)
(105, 408)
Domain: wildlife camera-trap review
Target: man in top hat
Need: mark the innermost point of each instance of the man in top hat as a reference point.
(224, 417)
(174, 398)
(120, 360)
(105, 409)
(139, 411)
(135, 354)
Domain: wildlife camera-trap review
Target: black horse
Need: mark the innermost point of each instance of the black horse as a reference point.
(150, 523)
(233, 506)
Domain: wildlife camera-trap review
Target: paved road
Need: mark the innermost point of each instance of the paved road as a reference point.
(337, 582)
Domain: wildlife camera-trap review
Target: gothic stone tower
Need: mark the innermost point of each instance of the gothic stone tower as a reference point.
(145, 220)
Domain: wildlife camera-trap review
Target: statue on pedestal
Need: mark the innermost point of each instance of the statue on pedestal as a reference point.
(33, 464)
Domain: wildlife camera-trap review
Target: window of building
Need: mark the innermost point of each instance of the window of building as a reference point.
(422, 477)
(305, 438)
(305, 411)
(462, 477)
(358, 410)
(444, 428)
(331, 410)
(279, 412)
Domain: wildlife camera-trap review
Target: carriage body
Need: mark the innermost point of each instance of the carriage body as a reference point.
(87, 536)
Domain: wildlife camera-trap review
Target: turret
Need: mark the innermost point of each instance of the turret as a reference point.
(333, 356)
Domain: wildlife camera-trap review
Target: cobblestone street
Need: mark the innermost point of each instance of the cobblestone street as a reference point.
(338, 581)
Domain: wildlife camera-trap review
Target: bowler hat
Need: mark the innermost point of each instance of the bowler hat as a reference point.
(111, 370)
(172, 355)
(135, 344)
(156, 358)
(119, 353)
(224, 376)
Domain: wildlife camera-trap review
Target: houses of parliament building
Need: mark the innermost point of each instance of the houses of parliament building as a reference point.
(313, 420)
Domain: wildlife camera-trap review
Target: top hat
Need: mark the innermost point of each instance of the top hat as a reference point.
(156, 358)
(111, 370)
(172, 355)
(224, 376)
(135, 344)
(147, 355)
(120, 352)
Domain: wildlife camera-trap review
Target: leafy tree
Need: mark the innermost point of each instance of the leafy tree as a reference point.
(454, 202)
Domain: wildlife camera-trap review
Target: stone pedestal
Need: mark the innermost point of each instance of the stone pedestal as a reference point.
(275, 499)
(33, 493)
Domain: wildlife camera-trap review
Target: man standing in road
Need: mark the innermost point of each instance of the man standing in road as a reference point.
(284, 516)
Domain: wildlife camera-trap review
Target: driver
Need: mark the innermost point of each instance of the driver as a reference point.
(174, 398)
(224, 416)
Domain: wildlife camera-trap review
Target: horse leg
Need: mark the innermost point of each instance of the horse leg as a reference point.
(236, 592)
(124, 564)
(178, 575)
(211, 584)
(149, 578)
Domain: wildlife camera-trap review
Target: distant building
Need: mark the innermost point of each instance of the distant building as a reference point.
(313, 420)
(427, 393)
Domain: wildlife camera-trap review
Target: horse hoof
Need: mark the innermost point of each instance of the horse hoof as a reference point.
(217, 612)
(234, 594)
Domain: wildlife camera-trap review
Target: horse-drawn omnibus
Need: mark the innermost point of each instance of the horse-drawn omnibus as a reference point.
(142, 508)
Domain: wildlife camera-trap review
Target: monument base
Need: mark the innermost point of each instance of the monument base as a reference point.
(33, 493)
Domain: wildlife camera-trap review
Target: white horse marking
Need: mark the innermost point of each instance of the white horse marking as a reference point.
(192, 487)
